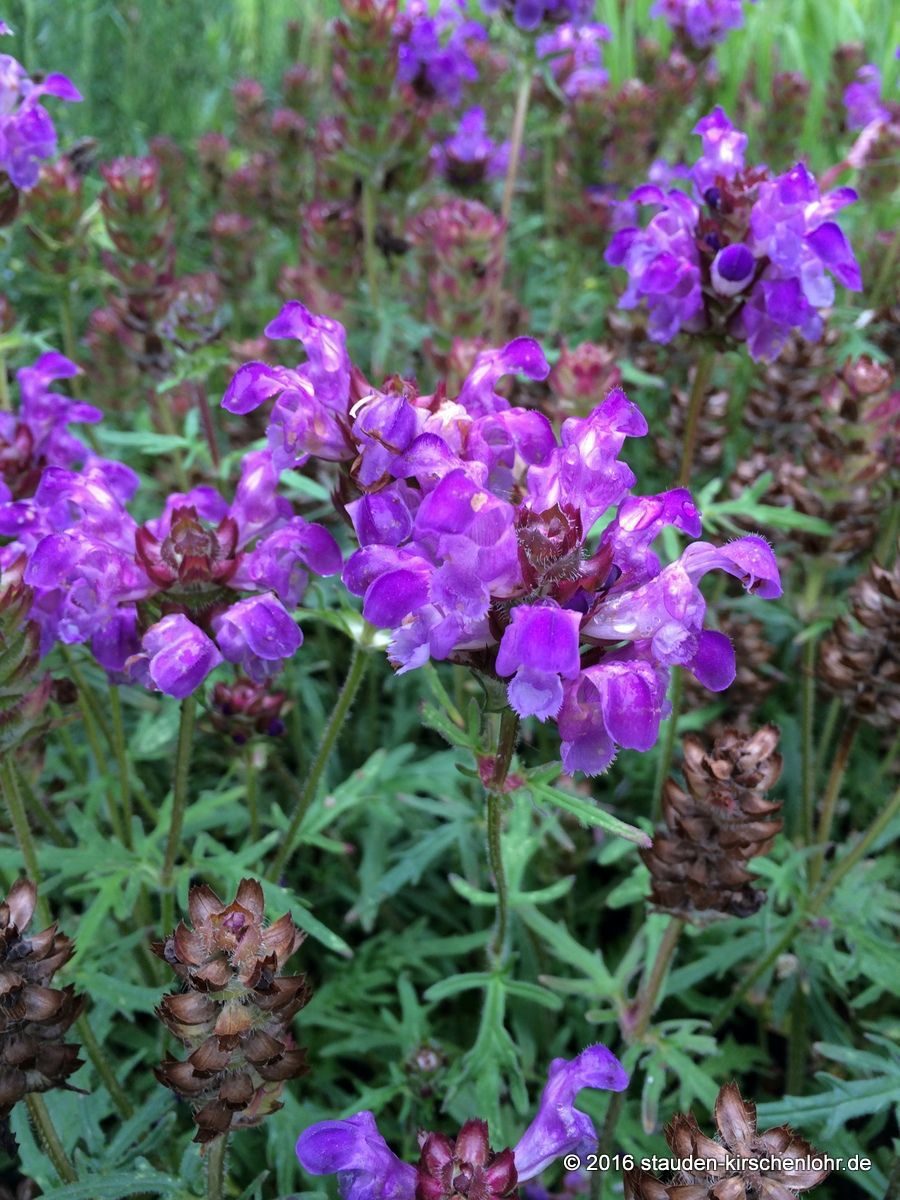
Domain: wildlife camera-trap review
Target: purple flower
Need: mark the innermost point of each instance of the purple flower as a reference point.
(862, 99)
(531, 14)
(540, 646)
(576, 57)
(258, 634)
(663, 263)
(472, 519)
(470, 155)
(432, 54)
(27, 134)
(368, 1169)
(754, 266)
(98, 577)
(701, 22)
(722, 156)
(175, 657)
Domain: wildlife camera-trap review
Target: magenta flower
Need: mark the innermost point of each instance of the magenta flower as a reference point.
(863, 100)
(752, 262)
(27, 133)
(367, 1169)
(472, 518)
(532, 14)
(225, 575)
(469, 155)
(432, 54)
(702, 23)
(576, 56)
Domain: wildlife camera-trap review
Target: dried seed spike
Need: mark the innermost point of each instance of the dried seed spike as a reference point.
(698, 862)
(235, 1016)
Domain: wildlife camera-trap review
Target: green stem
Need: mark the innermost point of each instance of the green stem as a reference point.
(46, 1131)
(179, 804)
(702, 375)
(664, 762)
(647, 1004)
(875, 830)
(215, 1179)
(343, 704)
(831, 720)
(807, 744)
(516, 138)
(250, 785)
(92, 733)
(650, 994)
(5, 402)
(86, 692)
(100, 1059)
(118, 731)
(18, 819)
(506, 744)
(829, 803)
(370, 249)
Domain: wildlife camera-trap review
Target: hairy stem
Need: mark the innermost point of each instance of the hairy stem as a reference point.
(370, 249)
(118, 731)
(179, 804)
(807, 744)
(5, 401)
(18, 819)
(664, 762)
(252, 791)
(516, 138)
(506, 744)
(215, 1178)
(702, 375)
(47, 1135)
(339, 713)
(100, 1059)
(649, 995)
(829, 803)
(206, 420)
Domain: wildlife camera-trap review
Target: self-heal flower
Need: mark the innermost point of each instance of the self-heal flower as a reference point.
(700, 23)
(863, 100)
(27, 133)
(465, 1166)
(433, 55)
(750, 257)
(470, 155)
(575, 56)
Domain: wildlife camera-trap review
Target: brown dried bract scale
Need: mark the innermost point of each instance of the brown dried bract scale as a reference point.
(732, 1177)
(34, 1016)
(236, 1011)
(859, 661)
(465, 1167)
(698, 862)
(24, 1189)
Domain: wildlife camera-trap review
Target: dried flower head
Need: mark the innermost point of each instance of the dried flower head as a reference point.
(34, 1016)
(737, 1139)
(698, 863)
(236, 1011)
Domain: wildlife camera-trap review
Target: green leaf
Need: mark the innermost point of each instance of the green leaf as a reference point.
(587, 813)
(145, 442)
(139, 1180)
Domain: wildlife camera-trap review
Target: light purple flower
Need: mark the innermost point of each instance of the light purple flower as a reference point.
(258, 634)
(540, 649)
(27, 133)
(723, 151)
(367, 1169)
(862, 98)
(576, 57)
(701, 22)
(175, 657)
(432, 53)
(470, 155)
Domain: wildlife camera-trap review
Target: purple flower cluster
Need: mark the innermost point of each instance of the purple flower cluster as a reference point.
(168, 601)
(532, 14)
(863, 100)
(701, 23)
(433, 54)
(576, 56)
(475, 527)
(27, 134)
(749, 256)
(38, 434)
(367, 1168)
(470, 155)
